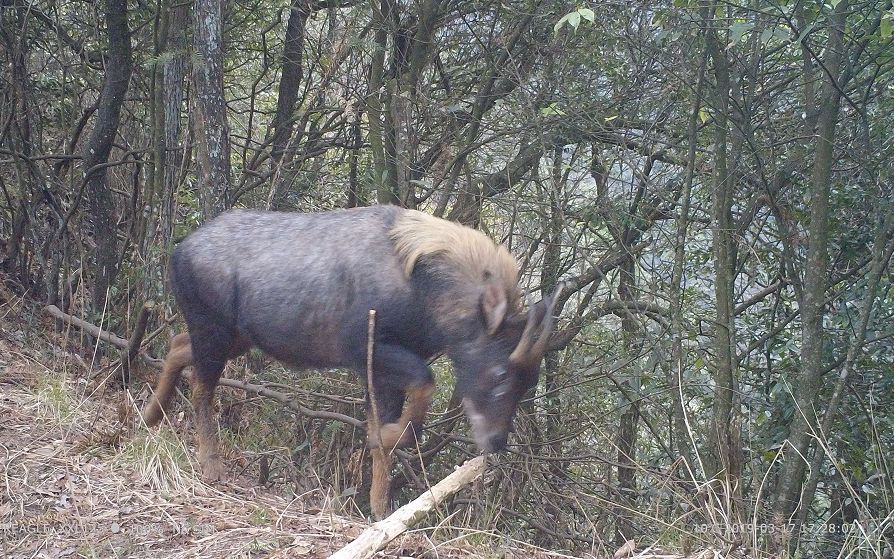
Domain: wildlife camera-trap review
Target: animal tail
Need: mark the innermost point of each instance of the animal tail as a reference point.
(178, 358)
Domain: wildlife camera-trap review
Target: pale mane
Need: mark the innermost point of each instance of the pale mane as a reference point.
(459, 251)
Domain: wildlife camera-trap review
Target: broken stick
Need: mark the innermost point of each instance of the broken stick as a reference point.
(379, 534)
(380, 487)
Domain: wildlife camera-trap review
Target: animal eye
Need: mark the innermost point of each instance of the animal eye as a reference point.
(502, 383)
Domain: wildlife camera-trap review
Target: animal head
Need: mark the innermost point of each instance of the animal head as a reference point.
(496, 370)
(496, 348)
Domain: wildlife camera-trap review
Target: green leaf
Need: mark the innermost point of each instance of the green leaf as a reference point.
(574, 18)
(560, 23)
(738, 30)
(703, 115)
(885, 26)
(552, 110)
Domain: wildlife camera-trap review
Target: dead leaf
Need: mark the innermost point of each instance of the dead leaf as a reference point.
(300, 549)
(625, 550)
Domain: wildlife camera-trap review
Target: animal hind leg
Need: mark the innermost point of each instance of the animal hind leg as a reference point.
(179, 356)
(211, 350)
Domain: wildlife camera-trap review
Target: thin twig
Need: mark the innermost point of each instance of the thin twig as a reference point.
(373, 419)
(130, 353)
(380, 488)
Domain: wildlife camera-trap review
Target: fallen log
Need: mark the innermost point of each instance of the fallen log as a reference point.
(379, 534)
(91, 329)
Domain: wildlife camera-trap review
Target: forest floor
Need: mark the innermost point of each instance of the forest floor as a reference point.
(81, 478)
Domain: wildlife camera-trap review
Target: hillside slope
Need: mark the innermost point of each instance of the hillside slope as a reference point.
(82, 478)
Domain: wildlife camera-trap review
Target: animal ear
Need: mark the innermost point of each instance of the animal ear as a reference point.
(493, 306)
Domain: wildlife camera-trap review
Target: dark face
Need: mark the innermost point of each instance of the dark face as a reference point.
(497, 367)
(492, 385)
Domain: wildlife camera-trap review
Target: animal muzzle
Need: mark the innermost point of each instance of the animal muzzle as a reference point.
(487, 437)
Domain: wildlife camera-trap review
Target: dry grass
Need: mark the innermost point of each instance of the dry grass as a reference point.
(76, 484)
(81, 477)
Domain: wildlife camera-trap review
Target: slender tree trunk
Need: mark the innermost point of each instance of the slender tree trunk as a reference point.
(354, 195)
(212, 132)
(396, 112)
(630, 412)
(156, 169)
(289, 86)
(99, 146)
(678, 361)
(726, 459)
(374, 104)
(174, 71)
(808, 384)
(549, 277)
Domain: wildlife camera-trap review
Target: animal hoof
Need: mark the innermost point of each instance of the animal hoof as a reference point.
(395, 435)
(213, 470)
(152, 413)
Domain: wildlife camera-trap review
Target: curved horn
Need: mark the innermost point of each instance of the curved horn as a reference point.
(549, 321)
(535, 317)
(540, 317)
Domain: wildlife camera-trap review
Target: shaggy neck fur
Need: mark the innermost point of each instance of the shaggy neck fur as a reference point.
(465, 259)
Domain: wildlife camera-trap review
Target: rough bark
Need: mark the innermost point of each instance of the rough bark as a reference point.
(99, 146)
(287, 98)
(173, 75)
(212, 131)
(809, 379)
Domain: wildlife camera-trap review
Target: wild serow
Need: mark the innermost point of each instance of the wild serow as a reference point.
(300, 287)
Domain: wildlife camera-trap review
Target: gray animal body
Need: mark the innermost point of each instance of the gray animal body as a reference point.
(300, 288)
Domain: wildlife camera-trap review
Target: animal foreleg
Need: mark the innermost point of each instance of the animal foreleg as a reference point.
(404, 387)
(405, 431)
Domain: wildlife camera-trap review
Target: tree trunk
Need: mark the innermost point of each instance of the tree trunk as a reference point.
(674, 373)
(385, 194)
(726, 459)
(808, 384)
(289, 84)
(99, 146)
(549, 277)
(630, 412)
(212, 132)
(174, 72)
